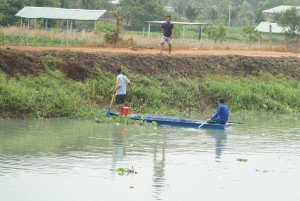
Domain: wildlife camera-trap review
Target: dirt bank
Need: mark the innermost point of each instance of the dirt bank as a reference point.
(77, 63)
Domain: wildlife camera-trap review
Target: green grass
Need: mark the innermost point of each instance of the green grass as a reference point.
(191, 32)
(233, 34)
(53, 95)
(36, 41)
(265, 93)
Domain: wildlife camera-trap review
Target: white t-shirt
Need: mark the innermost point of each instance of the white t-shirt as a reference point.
(122, 81)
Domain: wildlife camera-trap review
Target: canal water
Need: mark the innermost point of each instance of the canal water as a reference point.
(76, 160)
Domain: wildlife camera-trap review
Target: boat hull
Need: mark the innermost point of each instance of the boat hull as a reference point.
(178, 122)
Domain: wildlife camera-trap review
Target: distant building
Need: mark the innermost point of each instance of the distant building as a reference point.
(269, 16)
(169, 8)
(107, 17)
(270, 13)
(115, 2)
(265, 27)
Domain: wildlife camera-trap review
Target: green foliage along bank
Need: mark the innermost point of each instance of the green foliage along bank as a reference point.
(52, 94)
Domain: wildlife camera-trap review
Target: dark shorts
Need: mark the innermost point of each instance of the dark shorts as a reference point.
(217, 122)
(120, 99)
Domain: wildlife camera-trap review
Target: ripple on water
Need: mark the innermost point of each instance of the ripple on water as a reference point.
(81, 155)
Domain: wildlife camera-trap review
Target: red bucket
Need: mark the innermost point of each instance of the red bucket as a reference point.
(126, 111)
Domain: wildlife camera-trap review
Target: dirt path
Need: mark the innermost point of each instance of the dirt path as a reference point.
(175, 53)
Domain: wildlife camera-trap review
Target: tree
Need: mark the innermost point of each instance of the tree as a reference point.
(191, 12)
(217, 32)
(250, 34)
(87, 4)
(8, 10)
(114, 36)
(119, 26)
(290, 20)
(141, 11)
(44, 3)
(213, 14)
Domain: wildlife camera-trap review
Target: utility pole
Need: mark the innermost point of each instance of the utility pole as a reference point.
(229, 13)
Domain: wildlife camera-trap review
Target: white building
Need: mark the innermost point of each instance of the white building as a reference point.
(269, 17)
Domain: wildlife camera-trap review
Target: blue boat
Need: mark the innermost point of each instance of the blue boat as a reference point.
(179, 122)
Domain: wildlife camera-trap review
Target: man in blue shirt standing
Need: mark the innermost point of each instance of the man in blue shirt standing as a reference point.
(222, 114)
(168, 31)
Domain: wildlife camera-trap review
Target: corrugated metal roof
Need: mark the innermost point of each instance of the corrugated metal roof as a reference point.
(182, 23)
(265, 26)
(60, 13)
(280, 9)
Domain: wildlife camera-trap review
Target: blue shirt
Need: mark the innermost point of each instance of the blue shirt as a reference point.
(222, 114)
(167, 27)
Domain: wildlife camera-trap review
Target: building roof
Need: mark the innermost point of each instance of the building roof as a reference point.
(115, 1)
(60, 13)
(265, 26)
(182, 23)
(280, 9)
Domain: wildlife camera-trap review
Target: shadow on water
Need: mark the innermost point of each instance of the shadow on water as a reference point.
(118, 145)
(158, 150)
(220, 137)
(159, 160)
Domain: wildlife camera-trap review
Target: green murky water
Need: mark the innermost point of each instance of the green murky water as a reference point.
(72, 160)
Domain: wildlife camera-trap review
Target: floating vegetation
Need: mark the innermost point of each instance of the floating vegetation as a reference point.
(242, 160)
(125, 171)
(264, 171)
(154, 123)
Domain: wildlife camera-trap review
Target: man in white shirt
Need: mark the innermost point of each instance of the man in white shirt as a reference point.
(122, 82)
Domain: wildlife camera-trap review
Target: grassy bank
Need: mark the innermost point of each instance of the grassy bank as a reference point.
(52, 94)
(15, 36)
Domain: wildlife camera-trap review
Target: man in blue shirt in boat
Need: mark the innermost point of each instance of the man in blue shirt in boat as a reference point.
(120, 91)
(168, 32)
(222, 114)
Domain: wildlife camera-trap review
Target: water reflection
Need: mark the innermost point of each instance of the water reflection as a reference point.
(159, 159)
(220, 137)
(172, 163)
(118, 144)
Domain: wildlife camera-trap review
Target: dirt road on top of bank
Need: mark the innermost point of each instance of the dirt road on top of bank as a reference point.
(183, 52)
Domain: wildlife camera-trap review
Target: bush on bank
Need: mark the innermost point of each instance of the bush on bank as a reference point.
(52, 94)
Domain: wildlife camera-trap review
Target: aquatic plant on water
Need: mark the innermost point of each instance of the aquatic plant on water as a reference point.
(125, 171)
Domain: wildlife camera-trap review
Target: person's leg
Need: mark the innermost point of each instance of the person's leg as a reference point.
(170, 45)
(161, 48)
(118, 102)
(162, 42)
(217, 122)
(121, 103)
(120, 106)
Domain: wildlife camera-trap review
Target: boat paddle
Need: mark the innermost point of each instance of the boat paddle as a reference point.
(205, 122)
(111, 102)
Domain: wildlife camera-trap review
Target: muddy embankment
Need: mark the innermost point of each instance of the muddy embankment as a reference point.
(79, 65)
